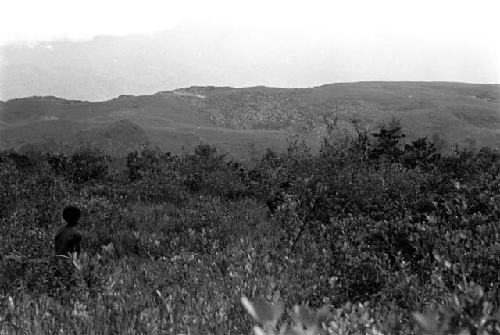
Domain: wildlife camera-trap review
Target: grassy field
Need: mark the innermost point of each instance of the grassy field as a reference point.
(363, 237)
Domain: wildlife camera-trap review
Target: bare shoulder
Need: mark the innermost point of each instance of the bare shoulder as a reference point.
(69, 231)
(59, 233)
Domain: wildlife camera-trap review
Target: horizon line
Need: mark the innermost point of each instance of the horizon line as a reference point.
(257, 86)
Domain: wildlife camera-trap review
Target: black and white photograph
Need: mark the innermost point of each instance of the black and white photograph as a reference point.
(274, 167)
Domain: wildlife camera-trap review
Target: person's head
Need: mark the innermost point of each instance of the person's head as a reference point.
(71, 214)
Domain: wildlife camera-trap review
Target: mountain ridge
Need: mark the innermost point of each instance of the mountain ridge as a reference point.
(236, 118)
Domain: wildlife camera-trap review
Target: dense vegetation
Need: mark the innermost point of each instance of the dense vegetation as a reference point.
(372, 227)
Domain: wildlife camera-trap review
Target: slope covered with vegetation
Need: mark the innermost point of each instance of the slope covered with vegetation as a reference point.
(245, 121)
(374, 229)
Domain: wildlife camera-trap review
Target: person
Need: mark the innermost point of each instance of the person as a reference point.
(68, 239)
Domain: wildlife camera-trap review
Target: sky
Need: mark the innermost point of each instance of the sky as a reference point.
(473, 22)
(464, 32)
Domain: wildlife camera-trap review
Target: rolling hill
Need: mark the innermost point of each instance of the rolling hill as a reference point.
(245, 121)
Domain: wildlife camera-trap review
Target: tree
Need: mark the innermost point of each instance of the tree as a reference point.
(387, 141)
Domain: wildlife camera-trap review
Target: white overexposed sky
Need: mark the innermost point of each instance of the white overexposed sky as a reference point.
(472, 21)
(470, 27)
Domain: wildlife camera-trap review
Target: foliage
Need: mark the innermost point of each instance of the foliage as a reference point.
(467, 313)
(84, 165)
(388, 141)
(370, 227)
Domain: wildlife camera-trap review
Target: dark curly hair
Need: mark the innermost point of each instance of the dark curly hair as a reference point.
(71, 214)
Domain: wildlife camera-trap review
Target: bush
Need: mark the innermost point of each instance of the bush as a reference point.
(172, 242)
(84, 165)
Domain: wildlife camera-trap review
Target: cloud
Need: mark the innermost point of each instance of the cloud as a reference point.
(34, 20)
(445, 38)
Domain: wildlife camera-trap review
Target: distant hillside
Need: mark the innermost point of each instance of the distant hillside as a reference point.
(118, 138)
(247, 120)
